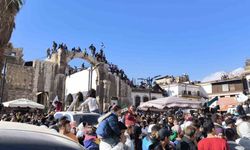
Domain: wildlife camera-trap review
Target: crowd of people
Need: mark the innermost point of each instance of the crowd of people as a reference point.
(135, 130)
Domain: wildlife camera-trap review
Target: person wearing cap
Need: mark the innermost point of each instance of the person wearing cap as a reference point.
(65, 129)
(130, 117)
(164, 143)
(151, 140)
(108, 130)
(188, 140)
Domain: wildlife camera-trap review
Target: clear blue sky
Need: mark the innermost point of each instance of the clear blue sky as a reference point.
(145, 38)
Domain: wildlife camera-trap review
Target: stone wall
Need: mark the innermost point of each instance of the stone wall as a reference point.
(19, 82)
(47, 79)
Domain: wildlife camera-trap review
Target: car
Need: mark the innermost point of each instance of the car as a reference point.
(21, 136)
(78, 117)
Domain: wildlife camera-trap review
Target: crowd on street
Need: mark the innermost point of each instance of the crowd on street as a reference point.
(149, 131)
(138, 130)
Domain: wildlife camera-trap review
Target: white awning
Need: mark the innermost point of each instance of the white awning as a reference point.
(23, 103)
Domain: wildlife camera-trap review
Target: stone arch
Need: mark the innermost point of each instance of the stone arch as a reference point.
(137, 100)
(62, 58)
(42, 98)
(145, 98)
(154, 98)
(69, 99)
(82, 55)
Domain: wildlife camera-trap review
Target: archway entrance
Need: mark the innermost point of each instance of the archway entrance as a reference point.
(145, 99)
(137, 101)
(42, 98)
(75, 65)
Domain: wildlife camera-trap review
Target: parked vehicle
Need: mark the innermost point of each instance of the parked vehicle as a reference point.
(90, 118)
(20, 136)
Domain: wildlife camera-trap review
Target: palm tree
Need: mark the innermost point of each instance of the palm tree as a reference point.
(8, 11)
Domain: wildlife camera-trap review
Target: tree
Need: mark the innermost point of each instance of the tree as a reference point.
(8, 11)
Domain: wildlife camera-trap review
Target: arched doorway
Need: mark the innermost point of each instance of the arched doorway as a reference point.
(154, 98)
(137, 100)
(75, 65)
(42, 98)
(145, 99)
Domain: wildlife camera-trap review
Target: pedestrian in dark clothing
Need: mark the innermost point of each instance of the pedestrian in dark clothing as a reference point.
(164, 140)
(138, 140)
(188, 140)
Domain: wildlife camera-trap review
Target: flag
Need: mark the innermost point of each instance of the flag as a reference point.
(241, 98)
(213, 102)
(54, 101)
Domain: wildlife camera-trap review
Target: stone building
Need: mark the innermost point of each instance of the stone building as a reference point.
(139, 95)
(42, 81)
(229, 86)
(247, 75)
(181, 86)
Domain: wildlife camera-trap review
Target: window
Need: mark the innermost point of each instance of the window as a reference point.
(225, 88)
(189, 93)
(13, 54)
(198, 93)
(184, 92)
(145, 99)
(137, 101)
(232, 87)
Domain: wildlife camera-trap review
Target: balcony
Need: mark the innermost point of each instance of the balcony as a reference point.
(190, 94)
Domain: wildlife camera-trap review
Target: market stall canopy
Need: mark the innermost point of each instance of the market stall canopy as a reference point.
(169, 102)
(23, 103)
(227, 102)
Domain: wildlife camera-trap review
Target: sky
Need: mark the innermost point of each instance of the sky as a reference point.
(145, 38)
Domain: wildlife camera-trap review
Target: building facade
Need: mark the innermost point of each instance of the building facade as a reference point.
(43, 80)
(247, 77)
(181, 87)
(225, 88)
(139, 95)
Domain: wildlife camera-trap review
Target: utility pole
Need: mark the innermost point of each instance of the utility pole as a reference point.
(90, 77)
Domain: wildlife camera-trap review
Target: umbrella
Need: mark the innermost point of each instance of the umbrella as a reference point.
(168, 102)
(23, 103)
